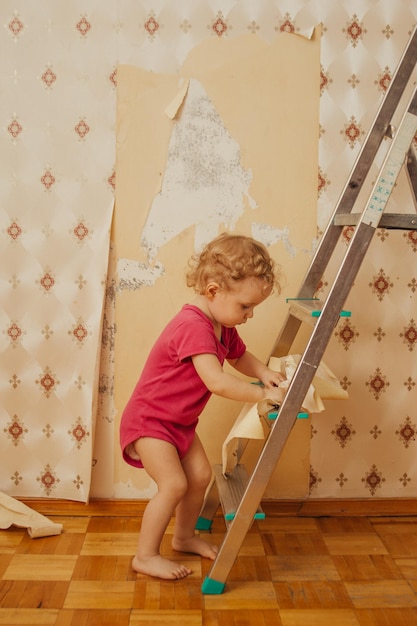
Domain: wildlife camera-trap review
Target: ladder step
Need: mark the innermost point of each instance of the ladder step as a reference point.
(231, 490)
(405, 221)
(308, 309)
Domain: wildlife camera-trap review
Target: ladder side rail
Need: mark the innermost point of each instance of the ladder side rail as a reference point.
(412, 174)
(314, 350)
(361, 167)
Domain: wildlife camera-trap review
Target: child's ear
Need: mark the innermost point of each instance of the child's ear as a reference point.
(212, 290)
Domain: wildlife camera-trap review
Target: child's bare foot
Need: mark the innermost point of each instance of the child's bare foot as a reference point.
(196, 546)
(159, 567)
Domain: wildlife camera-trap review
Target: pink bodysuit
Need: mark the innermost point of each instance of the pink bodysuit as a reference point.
(169, 395)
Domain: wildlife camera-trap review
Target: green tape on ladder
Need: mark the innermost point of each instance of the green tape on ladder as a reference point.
(341, 314)
(272, 415)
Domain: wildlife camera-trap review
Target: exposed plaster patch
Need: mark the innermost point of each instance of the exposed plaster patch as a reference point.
(269, 235)
(134, 275)
(204, 184)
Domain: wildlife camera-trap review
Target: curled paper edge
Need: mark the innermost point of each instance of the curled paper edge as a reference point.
(15, 513)
(174, 106)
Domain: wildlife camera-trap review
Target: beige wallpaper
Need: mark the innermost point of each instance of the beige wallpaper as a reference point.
(62, 392)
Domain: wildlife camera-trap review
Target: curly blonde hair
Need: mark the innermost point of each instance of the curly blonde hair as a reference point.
(230, 258)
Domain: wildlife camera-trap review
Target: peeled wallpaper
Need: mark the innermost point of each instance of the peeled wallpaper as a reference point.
(61, 270)
(215, 165)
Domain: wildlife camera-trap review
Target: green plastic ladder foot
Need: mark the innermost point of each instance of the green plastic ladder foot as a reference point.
(203, 523)
(212, 586)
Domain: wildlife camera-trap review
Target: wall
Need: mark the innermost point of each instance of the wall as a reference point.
(59, 413)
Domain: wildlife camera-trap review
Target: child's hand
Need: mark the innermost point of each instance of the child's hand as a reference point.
(275, 385)
(272, 379)
(275, 394)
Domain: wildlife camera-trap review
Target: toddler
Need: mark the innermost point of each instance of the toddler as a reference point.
(232, 275)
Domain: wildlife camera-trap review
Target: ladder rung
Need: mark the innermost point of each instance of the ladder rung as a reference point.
(405, 221)
(231, 490)
(308, 309)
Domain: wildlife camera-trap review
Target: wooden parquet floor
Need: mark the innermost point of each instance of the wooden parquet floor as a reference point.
(291, 571)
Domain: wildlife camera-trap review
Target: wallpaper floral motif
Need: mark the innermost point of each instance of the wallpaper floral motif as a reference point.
(58, 290)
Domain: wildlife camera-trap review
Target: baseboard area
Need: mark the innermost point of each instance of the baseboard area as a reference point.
(390, 507)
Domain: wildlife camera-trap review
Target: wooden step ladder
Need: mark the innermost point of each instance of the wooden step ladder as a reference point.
(239, 494)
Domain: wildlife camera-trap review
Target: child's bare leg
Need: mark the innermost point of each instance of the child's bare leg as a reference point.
(198, 473)
(171, 482)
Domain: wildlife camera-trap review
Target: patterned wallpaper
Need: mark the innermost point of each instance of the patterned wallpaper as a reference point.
(58, 76)
(366, 447)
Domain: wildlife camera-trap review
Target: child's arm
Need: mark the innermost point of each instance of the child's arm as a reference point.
(229, 386)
